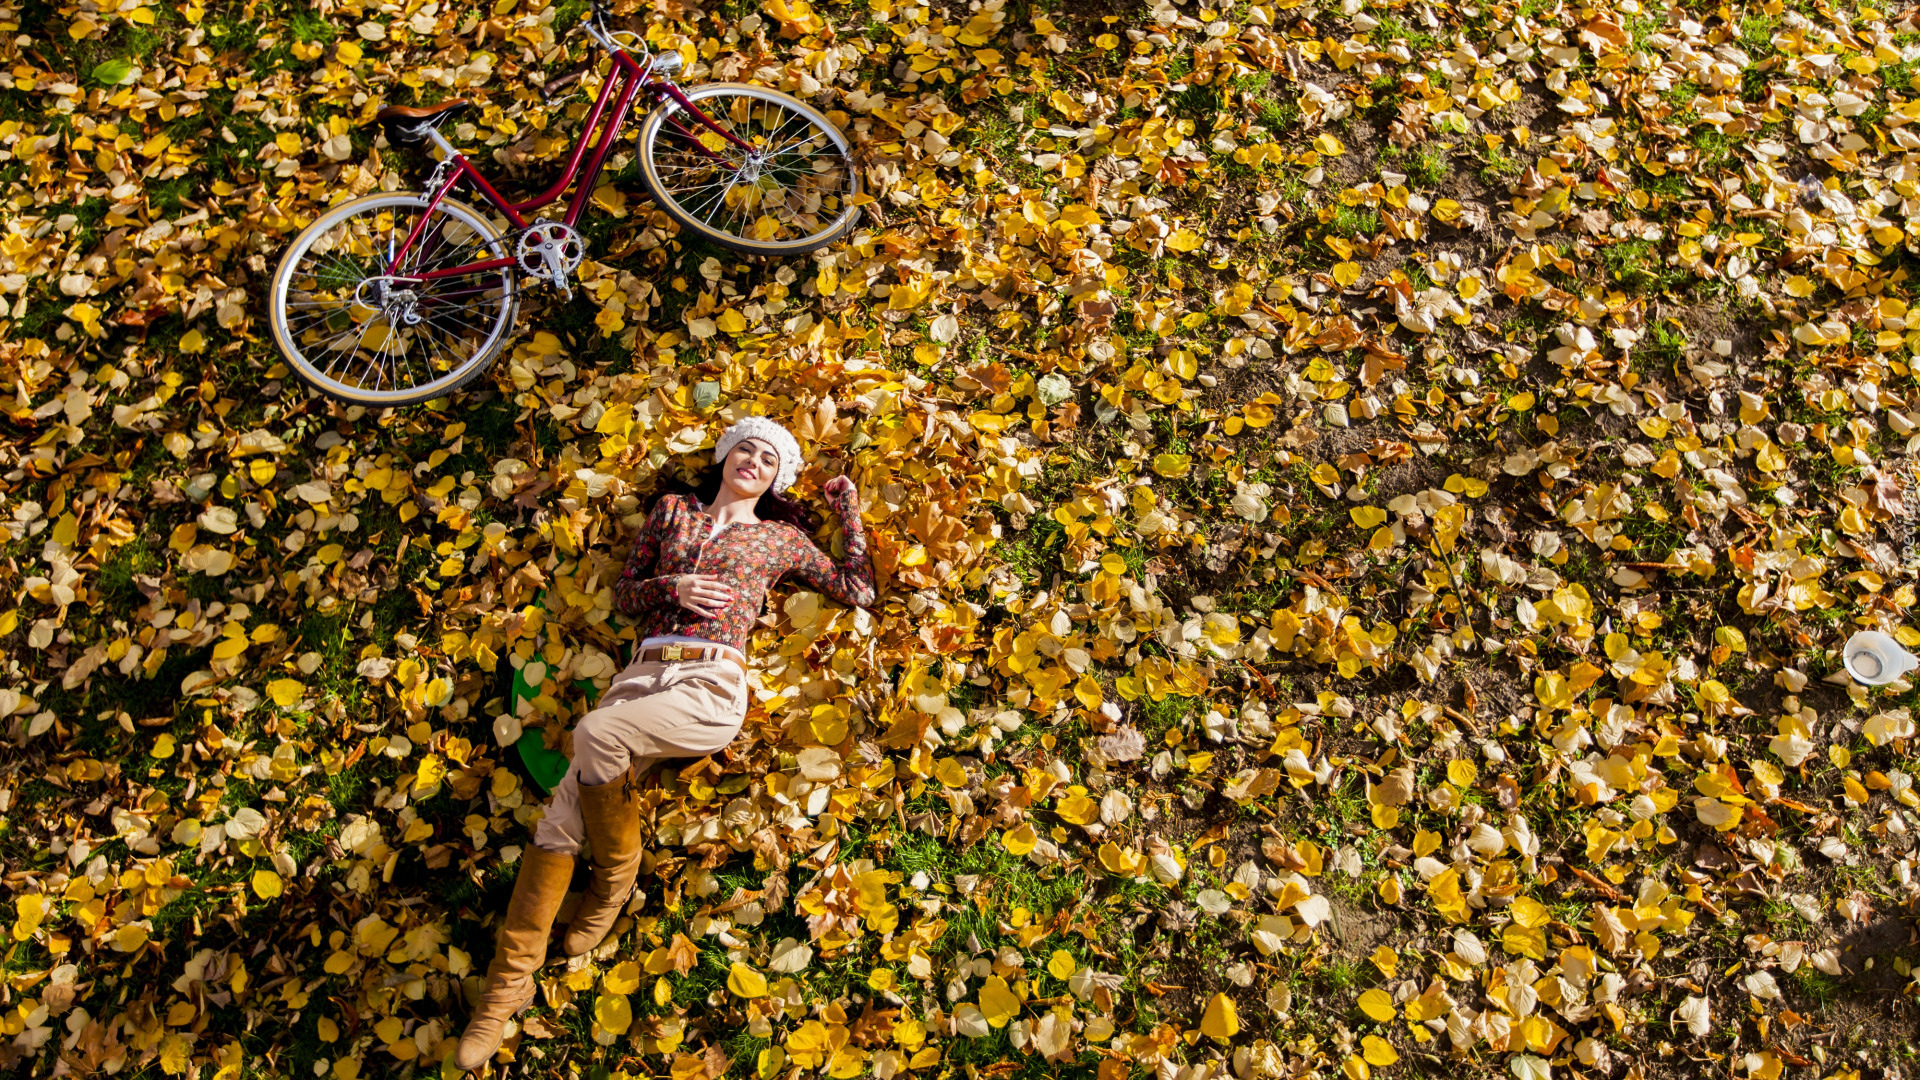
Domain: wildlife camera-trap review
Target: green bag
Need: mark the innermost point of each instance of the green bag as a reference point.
(546, 768)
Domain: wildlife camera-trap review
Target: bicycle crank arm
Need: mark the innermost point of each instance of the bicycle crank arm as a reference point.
(549, 251)
(560, 275)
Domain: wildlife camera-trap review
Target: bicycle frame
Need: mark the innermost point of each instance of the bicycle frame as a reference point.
(624, 82)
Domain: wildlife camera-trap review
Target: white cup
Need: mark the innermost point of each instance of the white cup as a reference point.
(1874, 659)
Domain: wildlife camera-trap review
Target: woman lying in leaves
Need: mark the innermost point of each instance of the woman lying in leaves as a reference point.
(697, 579)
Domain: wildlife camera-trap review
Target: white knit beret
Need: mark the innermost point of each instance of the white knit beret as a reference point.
(771, 433)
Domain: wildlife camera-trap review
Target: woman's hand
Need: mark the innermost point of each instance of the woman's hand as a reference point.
(845, 497)
(703, 594)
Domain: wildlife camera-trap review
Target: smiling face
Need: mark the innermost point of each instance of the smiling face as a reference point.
(750, 468)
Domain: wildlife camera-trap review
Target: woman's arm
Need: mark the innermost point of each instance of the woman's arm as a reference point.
(849, 581)
(637, 587)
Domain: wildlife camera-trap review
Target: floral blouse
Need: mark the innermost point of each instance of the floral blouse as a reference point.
(748, 559)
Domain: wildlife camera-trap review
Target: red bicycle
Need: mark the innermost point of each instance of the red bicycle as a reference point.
(403, 297)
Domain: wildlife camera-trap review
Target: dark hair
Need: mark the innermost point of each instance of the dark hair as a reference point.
(705, 486)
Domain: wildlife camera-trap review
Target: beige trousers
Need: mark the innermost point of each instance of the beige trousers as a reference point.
(653, 710)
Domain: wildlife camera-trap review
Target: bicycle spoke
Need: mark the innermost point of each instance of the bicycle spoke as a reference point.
(425, 333)
(452, 258)
(393, 351)
(350, 274)
(724, 208)
(394, 239)
(456, 353)
(697, 189)
(453, 314)
(373, 368)
(328, 344)
(457, 349)
(804, 154)
(320, 326)
(461, 347)
(333, 353)
(454, 250)
(777, 132)
(777, 158)
(357, 343)
(700, 169)
(719, 199)
(697, 146)
(323, 307)
(392, 347)
(407, 341)
(482, 291)
(449, 315)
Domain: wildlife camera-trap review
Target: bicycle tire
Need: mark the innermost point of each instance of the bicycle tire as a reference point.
(469, 369)
(662, 195)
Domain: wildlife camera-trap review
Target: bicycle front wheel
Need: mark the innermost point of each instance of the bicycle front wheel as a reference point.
(786, 187)
(358, 319)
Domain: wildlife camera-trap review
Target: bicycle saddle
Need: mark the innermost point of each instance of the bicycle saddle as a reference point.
(406, 125)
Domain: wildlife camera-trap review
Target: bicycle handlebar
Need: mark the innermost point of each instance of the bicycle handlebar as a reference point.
(596, 29)
(594, 26)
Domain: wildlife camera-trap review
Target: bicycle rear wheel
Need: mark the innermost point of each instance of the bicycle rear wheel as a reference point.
(361, 329)
(792, 193)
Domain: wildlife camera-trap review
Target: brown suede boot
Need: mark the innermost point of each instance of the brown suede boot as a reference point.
(610, 813)
(517, 954)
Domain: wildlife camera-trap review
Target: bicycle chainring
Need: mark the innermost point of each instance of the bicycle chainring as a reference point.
(550, 251)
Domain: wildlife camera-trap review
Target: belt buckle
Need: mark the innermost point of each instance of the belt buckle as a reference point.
(671, 653)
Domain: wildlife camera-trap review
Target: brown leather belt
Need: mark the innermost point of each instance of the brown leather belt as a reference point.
(680, 654)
